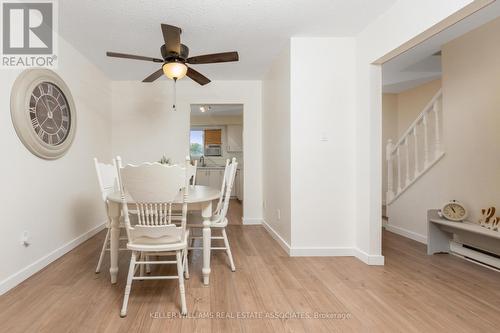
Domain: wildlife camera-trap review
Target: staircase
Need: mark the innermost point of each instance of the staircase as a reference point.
(417, 151)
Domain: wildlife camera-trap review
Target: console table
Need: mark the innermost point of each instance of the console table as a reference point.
(466, 239)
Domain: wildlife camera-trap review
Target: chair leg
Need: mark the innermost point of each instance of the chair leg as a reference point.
(128, 287)
(103, 250)
(186, 264)
(180, 273)
(228, 249)
(141, 266)
(148, 267)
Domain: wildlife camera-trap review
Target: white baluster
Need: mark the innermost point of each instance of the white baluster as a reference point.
(390, 171)
(435, 108)
(426, 141)
(407, 162)
(415, 138)
(399, 169)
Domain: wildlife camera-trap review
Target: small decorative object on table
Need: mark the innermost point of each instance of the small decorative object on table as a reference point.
(164, 160)
(453, 211)
(487, 219)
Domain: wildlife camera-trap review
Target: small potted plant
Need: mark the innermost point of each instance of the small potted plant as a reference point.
(164, 160)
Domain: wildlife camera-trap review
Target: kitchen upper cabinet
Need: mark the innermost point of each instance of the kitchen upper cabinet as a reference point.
(234, 138)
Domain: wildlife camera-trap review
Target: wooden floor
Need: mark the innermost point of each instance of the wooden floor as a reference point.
(412, 292)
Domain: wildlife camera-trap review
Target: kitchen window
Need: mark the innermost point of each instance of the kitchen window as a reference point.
(196, 141)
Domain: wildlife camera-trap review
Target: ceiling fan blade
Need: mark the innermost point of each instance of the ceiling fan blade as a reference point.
(172, 37)
(154, 76)
(131, 56)
(197, 76)
(213, 58)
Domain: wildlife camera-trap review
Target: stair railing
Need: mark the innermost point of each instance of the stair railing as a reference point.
(404, 158)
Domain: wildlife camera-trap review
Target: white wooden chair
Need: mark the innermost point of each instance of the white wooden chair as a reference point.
(107, 178)
(154, 187)
(219, 219)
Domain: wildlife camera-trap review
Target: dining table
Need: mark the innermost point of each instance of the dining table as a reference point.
(199, 198)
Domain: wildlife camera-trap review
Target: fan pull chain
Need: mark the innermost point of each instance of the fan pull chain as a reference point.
(175, 94)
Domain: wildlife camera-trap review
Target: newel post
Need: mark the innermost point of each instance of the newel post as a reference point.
(390, 176)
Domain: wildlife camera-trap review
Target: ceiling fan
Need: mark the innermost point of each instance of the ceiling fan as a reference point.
(176, 57)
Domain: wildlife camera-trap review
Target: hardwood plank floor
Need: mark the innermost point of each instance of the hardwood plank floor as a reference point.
(413, 292)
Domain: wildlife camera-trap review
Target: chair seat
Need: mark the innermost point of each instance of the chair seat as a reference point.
(144, 244)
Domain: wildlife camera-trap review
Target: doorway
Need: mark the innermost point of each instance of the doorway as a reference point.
(216, 135)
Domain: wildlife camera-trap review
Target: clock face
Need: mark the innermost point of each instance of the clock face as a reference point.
(49, 113)
(454, 211)
(43, 113)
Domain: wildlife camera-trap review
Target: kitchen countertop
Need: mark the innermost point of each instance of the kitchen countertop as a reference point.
(217, 167)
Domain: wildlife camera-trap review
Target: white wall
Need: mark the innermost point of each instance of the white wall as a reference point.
(469, 172)
(276, 148)
(411, 102)
(336, 184)
(404, 20)
(322, 137)
(145, 127)
(389, 131)
(56, 202)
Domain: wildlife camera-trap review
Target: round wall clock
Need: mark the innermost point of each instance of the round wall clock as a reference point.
(43, 113)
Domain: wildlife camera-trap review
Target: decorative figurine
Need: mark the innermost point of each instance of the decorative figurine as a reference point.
(486, 215)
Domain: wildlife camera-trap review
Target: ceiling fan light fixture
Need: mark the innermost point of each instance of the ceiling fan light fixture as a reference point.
(175, 70)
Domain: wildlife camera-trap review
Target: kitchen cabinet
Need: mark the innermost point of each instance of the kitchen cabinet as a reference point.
(210, 177)
(238, 185)
(234, 136)
(213, 177)
(202, 177)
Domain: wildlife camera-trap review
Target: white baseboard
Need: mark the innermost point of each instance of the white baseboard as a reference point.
(276, 237)
(323, 251)
(299, 251)
(369, 259)
(406, 233)
(18, 277)
(251, 221)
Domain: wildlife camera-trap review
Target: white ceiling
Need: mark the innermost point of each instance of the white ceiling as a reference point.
(217, 110)
(257, 29)
(420, 65)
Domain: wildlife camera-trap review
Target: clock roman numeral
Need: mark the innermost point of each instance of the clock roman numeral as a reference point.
(34, 122)
(49, 89)
(41, 133)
